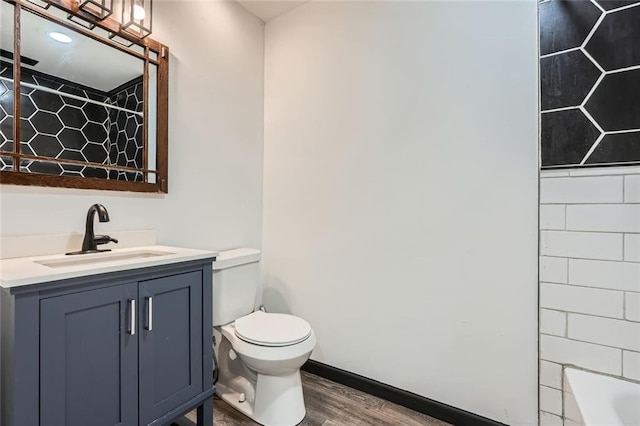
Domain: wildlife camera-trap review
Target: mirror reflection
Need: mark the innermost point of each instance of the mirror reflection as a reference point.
(6, 85)
(81, 103)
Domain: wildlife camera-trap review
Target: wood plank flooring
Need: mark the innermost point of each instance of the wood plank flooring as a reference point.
(331, 404)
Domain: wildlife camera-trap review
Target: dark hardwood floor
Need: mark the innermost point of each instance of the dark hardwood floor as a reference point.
(332, 404)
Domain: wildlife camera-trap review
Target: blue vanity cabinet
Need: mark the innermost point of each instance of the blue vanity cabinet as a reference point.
(170, 343)
(127, 348)
(88, 358)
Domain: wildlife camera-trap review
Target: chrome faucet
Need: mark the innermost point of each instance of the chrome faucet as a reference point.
(91, 241)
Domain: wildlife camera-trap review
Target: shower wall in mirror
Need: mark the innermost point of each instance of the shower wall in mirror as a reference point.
(54, 125)
(590, 82)
(89, 106)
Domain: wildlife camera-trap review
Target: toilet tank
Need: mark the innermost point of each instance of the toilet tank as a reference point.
(236, 276)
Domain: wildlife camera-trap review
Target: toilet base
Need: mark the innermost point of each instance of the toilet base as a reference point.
(278, 400)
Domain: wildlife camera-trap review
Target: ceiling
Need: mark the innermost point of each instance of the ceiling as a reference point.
(84, 60)
(91, 63)
(269, 9)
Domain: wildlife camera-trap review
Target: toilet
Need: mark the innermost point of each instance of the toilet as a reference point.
(259, 354)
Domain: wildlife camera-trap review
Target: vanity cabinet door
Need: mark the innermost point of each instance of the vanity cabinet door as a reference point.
(89, 358)
(170, 343)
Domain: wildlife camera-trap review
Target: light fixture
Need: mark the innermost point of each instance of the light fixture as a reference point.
(83, 22)
(136, 17)
(42, 3)
(121, 40)
(60, 37)
(98, 8)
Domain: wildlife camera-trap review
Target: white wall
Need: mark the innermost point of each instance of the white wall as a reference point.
(589, 277)
(215, 142)
(400, 194)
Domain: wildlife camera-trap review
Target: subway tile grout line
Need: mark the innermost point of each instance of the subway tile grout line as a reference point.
(547, 386)
(568, 270)
(551, 414)
(590, 204)
(585, 341)
(587, 315)
(593, 169)
(588, 232)
(589, 259)
(586, 286)
(583, 173)
(624, 320)
(621, 203)
(592, 232)
(575, 366)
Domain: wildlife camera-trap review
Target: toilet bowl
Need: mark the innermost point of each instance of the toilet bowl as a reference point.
(266, 386)
(259, 354)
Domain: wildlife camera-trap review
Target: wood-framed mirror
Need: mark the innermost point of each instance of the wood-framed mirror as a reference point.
(92, 103)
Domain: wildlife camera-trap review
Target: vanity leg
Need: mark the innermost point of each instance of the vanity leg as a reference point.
(205, 413)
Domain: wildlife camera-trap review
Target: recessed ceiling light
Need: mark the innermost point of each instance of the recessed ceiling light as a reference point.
(60, 37)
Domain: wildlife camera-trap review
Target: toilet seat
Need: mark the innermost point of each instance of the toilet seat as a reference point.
(275, 330)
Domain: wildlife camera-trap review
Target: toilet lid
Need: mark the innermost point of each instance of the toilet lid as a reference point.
(266, 329)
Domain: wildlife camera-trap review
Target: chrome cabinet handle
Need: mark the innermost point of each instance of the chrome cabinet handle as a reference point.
(149, 313)
(132, 318)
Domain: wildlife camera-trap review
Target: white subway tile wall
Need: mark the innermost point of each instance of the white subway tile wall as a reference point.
(569, 298)
(631, 365)
(589, 279)
(581, 190)
(551, 374)
(632, 247)
(594, 357)
(552, 216)
(632, 307)
(605, 331)
(602, 274)
(632, 189)
(553, 322)
(554, 269)
(585, 245)
(551, 400)
(604, 217)
(605, 171)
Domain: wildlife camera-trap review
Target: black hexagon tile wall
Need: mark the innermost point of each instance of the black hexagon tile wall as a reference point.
(73, 129)
(590, 82)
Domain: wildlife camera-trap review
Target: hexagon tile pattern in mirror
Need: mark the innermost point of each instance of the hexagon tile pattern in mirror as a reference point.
(6, 116)
(57, 126)
(590, 69)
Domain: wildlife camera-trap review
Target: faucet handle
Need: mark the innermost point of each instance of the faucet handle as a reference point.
(104, 239)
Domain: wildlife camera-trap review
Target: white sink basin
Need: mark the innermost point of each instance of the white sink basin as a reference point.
(94, 258)
(22, 271)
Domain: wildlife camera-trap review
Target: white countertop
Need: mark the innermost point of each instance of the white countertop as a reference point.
(23, 271)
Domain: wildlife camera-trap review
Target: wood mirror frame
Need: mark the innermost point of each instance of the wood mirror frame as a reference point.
(155, 54)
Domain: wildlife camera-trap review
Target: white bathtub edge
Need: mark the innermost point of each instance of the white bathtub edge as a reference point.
(594, 399)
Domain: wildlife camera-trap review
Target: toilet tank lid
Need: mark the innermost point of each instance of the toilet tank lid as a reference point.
(235, 257)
